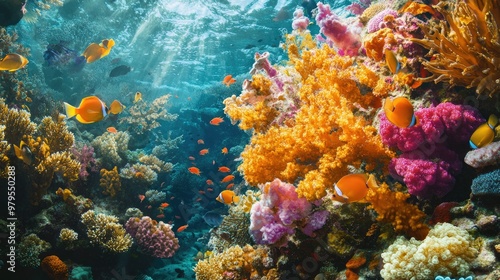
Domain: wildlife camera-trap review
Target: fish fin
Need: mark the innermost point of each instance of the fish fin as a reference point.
(82, 120)
(493, 121)
(70, 110)
(18, 152)
(236, 199)
(414, 121)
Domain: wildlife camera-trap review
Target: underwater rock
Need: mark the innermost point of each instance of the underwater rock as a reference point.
(11, 12)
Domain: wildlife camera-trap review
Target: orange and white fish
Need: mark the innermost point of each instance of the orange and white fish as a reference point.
(228, 178)
(116, 107)
(224, 169)
(111, 129)
(224, 150)
(216, 121)
(13, 62)
(91, 110)
(227, 197)
(228, 80)
(182, 228)
(194, 170)
(400, 112)
(97, 51)
(204, 152)
(484, 134)
(351, 188)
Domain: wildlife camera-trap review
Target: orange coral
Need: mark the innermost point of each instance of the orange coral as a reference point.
(330, 131)
(376, 42)
(465, 46)
(391, 207)
(110, 181)
(55, 268)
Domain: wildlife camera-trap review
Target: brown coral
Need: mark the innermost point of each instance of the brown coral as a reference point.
(54, 268)
(465, 47)
(56, 133)
(110, 181)
(4, 148)
(17, 123)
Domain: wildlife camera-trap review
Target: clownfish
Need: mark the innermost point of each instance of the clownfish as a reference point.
(227, 197)
(392, 61)
(24, 153)
(484, 134)
(400, 112)
(13, 62)
(91, 110)
(97, 51)
(116, 107)
(351, 188)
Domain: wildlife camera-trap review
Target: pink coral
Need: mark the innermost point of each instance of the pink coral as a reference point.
(433, 149)
(86, 157)
(279, 212)
(154, 238)
(300, 21)
(376, 22)
(342, 35)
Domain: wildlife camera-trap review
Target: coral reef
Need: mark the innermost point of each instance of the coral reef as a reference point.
(54, 268)
(154, 238)
(155, 196)
(237, 263)
(87, 160)
(30, 247)
(68, 235)
(112, 148)
(105, 231)
(465, 46)
(17, 123)
(229, 232)
(110, 181)
(4, 148)
(56, 133)
(140, 173)
(156, 164)
(432, 149)
(447, 250)
(144, 116)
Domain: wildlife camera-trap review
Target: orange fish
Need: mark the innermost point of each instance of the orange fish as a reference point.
(160, 216)
(228, 178)
(216, 121)
(91, 110)
(209, 182)
(484, 134)
(182, 228)
(230, 186)
(97, 51)
(400, 112)
(204, 152)
(116, 107)
(224, 150)
(191, 158)
(228, 80)
(164, 205)
(392, 61)
(194, 170)
(141, 197)
(351, 188)
(201, 142)
(227, 197)
(111, 129)
(224, 169)
(13, 62)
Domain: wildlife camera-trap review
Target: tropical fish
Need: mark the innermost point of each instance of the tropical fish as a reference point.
(60, 55)
(484, 134)
(97, 51)
(230, 186)
(111, 129)
(119, 71)
(137, 97)
(216, 121)
(392, 61)
(201, 192)
(209, 182)
(200, 141)
(164, 205)
(24, 153)
(210, 190)
(204, 152)
(213, 218)
(116, 107)
(351, 188)
(228, 80)
(182, 228)
(194, 170)
(224, 169)
(400, 112)
(91, 110)
(160, 216)
(13, 62)
(228, 178)
(224, 150)
(191, 158)
(227, 197)
(141, 197)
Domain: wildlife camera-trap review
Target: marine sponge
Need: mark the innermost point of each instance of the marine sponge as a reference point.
(105, 231)
(110, 181)
(55, 268)
(465, 46)
(447, 250)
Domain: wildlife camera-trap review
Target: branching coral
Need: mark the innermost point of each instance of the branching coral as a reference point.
(17, 123)
(4, 148)
(56, 133)
(156, 164)
(145, 116)
(106, 232)
(155, 239)
(68, 235)
(110, 181)
(325, 133)
(140, 173)
(112, 147)
(465, 46)
(30, 248)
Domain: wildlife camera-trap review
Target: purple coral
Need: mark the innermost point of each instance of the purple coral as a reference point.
(342, 35)
(154, 238)
(433, 149)
(279, 212)
(376, 22)
(87, 161)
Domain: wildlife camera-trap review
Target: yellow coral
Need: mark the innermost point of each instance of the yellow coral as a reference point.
(56, 133)
(4, 148)
(110, 181)
(17, 123)
(391, 207)
(156, 164)
(465, 46)
(371, 11)
(68, 235)
(105, 231)
(376, 42)
(326, 135)
(61, 163)
(112, 147)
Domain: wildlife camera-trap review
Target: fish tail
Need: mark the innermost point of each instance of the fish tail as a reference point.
(18, 152)
(70, 110)
(236, 199)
